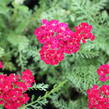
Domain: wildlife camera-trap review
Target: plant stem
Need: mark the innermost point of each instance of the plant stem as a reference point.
(47, 94)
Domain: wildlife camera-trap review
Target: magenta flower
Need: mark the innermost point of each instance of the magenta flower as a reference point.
(51, 56)
(98, 97)
(28, 78)
(13, 87)
(103, 72)
(84, 32)
(58, 39)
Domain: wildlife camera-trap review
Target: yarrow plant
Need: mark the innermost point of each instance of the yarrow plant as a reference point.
(68, 42)
(103, 72)
(57, 38)
(98, 97)
(13, 87)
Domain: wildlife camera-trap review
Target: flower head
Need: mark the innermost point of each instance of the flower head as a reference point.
(58, 39)
(103, 72)
(50, 29)
(98, 97)
(13, 87)
(51, 56)
(84, 32)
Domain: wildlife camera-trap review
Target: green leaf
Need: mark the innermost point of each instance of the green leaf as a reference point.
(18, 40)
(1, 52)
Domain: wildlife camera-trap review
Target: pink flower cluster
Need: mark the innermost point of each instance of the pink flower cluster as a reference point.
(103, 72)
(1, 64)
(13, 87)
(98, 97)
(83, 31)
(58, 39)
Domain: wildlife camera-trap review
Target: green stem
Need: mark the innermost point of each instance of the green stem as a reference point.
(55, 89)
(21, 62)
